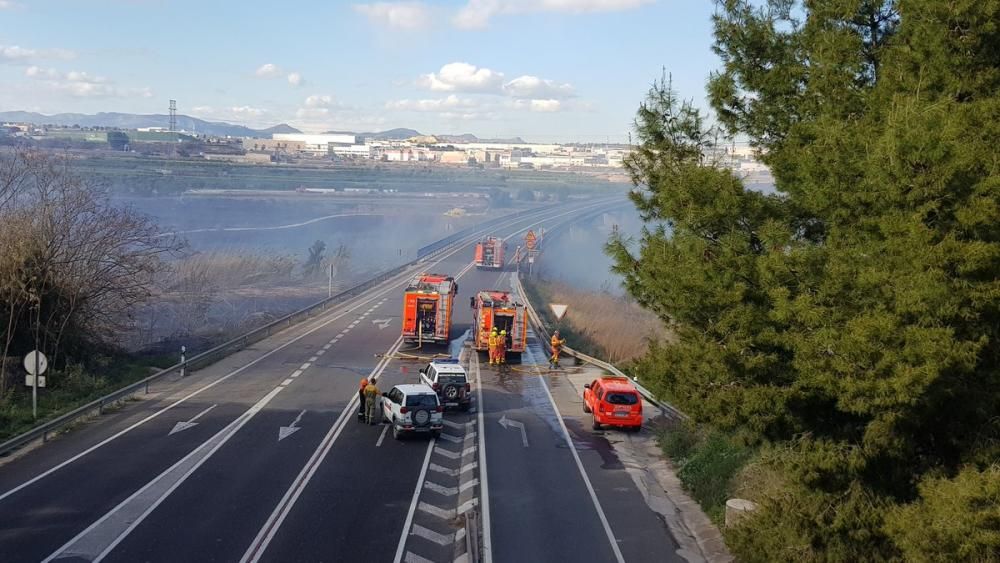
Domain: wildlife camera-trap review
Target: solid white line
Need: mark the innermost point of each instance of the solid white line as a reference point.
(93, 543)
(284, 507)
(579, 464)
(413, 503)
(484, 488)
(382, 435)
(194, 393)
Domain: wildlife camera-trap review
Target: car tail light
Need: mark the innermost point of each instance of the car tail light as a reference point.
(468, 388)
(437, 386)
(439, 409)
(404, 410)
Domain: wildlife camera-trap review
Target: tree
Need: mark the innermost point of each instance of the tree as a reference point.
(313, 265)
(73, 267)
(858, 306)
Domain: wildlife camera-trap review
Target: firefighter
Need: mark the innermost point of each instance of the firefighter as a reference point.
(371, 401)
(556, 344)
(361, 399)
(493, 345)
(502, 348)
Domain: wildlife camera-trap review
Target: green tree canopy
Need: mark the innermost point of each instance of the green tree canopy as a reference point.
(856, 308)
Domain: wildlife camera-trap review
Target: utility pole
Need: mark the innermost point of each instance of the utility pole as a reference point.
(329, 290)
(34, 379)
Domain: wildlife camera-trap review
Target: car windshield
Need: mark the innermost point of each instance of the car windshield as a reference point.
(421, 400)
(622, 398)
(445, 379)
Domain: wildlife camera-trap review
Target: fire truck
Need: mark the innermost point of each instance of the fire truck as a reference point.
(502, 310)
(489, 253)
(427, 305)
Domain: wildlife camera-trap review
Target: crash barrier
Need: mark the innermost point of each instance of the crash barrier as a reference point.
(472, 532)
(667, 409)
(97, 406)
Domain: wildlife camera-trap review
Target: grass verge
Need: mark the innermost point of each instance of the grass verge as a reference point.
(71, 388)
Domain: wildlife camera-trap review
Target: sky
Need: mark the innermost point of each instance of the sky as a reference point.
(544, 70)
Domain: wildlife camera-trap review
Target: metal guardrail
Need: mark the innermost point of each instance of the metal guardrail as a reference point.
(43, 430)
(539, 326)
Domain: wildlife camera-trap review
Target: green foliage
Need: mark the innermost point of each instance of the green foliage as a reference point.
(856, 308)
(955, 519)
(707, 463)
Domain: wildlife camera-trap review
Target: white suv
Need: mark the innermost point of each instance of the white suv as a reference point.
(411, 409)
(448, 379)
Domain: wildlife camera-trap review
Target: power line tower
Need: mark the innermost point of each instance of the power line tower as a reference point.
(173, 116)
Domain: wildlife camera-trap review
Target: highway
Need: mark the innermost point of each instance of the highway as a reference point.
(260, 457)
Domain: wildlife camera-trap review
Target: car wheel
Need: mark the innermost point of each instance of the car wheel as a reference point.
(586, 407)
(595, 425)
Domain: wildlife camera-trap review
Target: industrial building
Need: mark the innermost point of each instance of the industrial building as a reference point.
(318, 144)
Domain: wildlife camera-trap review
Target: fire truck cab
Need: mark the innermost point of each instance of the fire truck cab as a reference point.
(502, 310)
(427, 306)
(489, 253)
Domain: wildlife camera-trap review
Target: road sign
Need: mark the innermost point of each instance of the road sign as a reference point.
(558, 310)
(529, 240)
(30, 361)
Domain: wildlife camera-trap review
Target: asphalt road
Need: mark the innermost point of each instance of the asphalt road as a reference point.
(260, 457)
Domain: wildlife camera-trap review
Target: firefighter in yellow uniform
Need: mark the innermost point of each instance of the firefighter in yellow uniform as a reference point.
(556, 344)
(371, 402)
(494, 338)
(502, 348)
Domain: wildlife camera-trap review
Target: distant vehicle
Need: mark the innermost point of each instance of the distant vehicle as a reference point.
(412, 409)
(613, 401)
(501, 310)
(449, 380)
(427, 306)
(489, 253)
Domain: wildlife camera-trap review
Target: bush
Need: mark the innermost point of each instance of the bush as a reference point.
(957, 517)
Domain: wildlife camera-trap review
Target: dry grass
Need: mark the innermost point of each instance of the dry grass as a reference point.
(616, 328)
(214, 271)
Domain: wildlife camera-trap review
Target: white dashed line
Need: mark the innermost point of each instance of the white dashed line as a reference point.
(286, 382)
(313, 359)
(305, 366)
(296, 373)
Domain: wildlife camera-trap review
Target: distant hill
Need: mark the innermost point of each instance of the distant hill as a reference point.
(134, 121)
(401, 134)
(398, 134)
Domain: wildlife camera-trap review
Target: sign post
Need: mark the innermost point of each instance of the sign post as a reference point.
(35, 363)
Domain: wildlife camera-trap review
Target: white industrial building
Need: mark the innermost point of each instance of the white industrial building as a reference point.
(318, 144)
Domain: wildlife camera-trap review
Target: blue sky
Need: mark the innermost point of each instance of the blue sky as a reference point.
(546, 70)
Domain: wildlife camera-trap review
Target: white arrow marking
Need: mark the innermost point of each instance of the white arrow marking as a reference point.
(181, 426)
(286, 431)
(508, 423)
(382, 323)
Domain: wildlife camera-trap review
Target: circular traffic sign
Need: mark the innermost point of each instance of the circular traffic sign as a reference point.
(29, 362)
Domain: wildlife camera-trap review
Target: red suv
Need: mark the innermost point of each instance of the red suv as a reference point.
(614, 402)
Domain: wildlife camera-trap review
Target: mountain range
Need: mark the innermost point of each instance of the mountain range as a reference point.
(134, 121)
(200, 126)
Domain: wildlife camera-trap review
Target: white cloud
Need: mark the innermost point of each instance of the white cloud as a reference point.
(240, 114)
(318, 101)
(396, 15)
(295, 79)
(462, 77)
(8, 5)
(269, 70)
(535, 87)
(476, 14)
(449, 103)
(545, 106)
(18, 54)
(82, 85)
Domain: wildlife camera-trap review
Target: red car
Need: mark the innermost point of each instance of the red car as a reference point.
(613, 401)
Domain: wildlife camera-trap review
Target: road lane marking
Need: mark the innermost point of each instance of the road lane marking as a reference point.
(305, 366)
(327, 346)
(284, 507)
(431, 535)
(413, 503)
(181, 426)
(467, 506)
(286, 431)
(442, 513)
(95, 542)
(313, 359)
(385, 428)
(440, 489)
(308, 328)
(319, 353)
(579, 464)
(296, 373)
(287, 381)
(486, 553)
(414, 558)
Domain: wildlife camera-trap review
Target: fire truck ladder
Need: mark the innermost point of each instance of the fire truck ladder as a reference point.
(443, 315)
